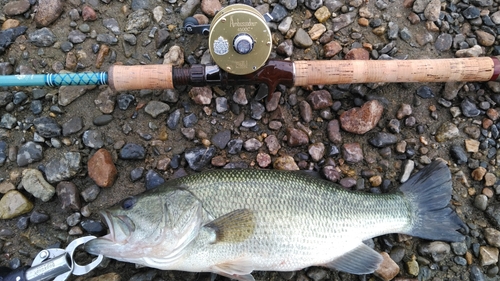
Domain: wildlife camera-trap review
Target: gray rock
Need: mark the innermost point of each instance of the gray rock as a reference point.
(313, 4)
(199, 157)
(47, 127)
(90, 193)
(234, 146)
(436, 250)
(112, 24)
(92, 139)
(138, 21)
(221, 139)
(155, 108)
(189, 8)
(443, 42)
(252, 144)
(28, 153)
(8, 121)
(173, 119)
(132, 151)
(382, 139)
(481, 202)
(63, 167)
(343, 21)
(42, 37)
(34, 183)
(76, 36)
(302, 39)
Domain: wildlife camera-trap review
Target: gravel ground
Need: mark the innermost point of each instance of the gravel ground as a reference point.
(52, 140)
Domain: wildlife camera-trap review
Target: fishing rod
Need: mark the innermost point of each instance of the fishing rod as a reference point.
(240, 44)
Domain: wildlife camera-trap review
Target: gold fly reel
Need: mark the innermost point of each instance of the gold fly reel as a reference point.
(239, 40)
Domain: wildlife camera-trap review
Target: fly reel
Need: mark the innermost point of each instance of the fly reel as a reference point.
(239, 39)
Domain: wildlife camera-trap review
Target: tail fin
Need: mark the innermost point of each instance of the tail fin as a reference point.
(429, 192)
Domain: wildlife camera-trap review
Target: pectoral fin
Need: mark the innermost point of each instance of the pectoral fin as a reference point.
(361, 260)
(236, 226)
(238, 269)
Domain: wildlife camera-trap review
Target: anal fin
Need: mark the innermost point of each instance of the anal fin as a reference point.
(239, 269)
(361, 260)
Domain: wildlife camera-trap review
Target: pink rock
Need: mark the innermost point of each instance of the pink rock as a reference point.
(352, 152)
(296, 137)
(201, 95)
(357, 54)
(334, 134)
(102, 169)
(48, 12)
(88, 14)
(320, 99)
(210, 7)
(360, 120)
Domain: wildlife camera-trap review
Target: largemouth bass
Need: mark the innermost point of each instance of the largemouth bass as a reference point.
(232, 222)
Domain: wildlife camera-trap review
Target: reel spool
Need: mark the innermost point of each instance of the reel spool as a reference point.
(239, 39)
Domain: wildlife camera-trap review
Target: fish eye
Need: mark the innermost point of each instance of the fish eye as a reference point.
(128, 203)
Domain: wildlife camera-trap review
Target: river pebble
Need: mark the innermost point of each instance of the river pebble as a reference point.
(436, 250)
(34, 182)
(101, 168)
(132, 151)
(362, 120)
(63, 167)
(68, 195)
(198, 157)
(13, 204)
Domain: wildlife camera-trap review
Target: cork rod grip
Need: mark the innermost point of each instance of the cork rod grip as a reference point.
(375, 71)
(138, 77)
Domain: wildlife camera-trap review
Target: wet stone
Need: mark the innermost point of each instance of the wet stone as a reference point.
(68, 195)
(285, 163)
(362, 120)
(124, 101)
(190, 120)
(93, 227)
(257, 110)
(74, 219)
(252, 144)
(34, 183)
(42, 37)
(76, 36)
(36, 107)
(101, 168)
(37, 217)
(302, 39)
(221, 104)
(155, 108)
(102, 120)
(488, 255)
(22, 223)
(320, 99)
(476, 274)
(443, 42)
(8, 121)
(436, 250)
(425, 92)
(63, 167)
(14, 8)
(469, 108)
(198, 157)
(90, 193)
(279, 12)
(240, 97)
(382, 139)
(201, 95)
(92, 139)
(153, 179)
(458, 154)
(48, 12)
(447, 131)
(47, 127)
(471, 12)
(221, 139)
(13, 204)
(3, 152)
(28, 153)
(132, 151)
(138, 21)
(352, 152)
(173, 119)
(481, 202)
(234, 146)
(296, 137)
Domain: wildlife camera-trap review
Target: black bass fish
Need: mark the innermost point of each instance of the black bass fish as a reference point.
(232, 222)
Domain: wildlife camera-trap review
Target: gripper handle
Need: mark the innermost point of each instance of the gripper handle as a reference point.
(375, 71)
(138, 77)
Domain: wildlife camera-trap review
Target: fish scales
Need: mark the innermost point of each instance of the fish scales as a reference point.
(300, 217)
(233, 222)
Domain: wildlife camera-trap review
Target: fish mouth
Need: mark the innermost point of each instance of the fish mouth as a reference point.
(120, 229)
